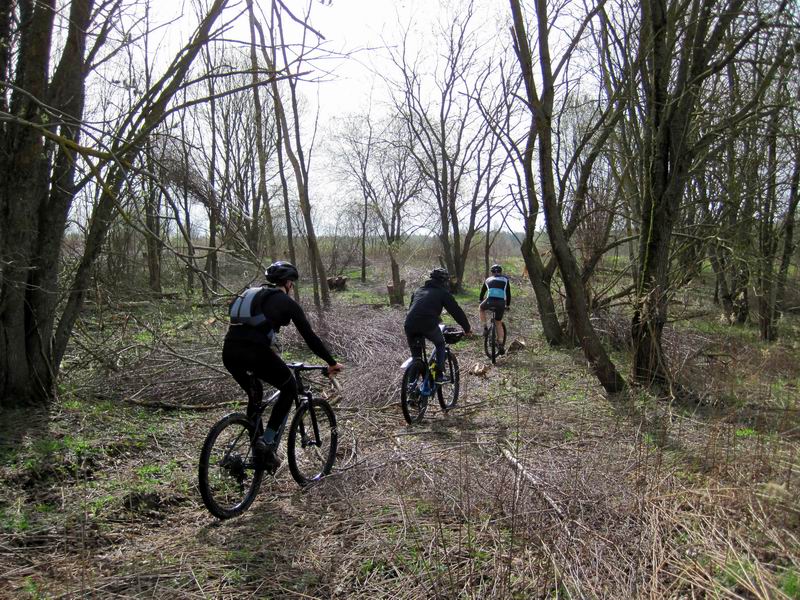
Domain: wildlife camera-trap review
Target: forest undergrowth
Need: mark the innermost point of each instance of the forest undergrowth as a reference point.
(536, 486)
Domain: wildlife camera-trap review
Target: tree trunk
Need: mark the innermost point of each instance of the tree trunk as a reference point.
(314, 275)
(768, 240)
(286, 206)
(487, 247)
(190, 251)
(742, 209)
(789, 245)
(542, 111)
(299, 167)
(35, 196)
(397, 297)
(544, 298)
(211, 268)
(30, 238)
(364, 241)
(261, 200)
(152, 238)
(530, 253)
(577, 306)
(671, 95)
(722, 290)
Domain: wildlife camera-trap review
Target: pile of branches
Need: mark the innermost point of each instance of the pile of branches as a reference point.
(178, 376)
(184, 369)
(152, 359)
(370, 343)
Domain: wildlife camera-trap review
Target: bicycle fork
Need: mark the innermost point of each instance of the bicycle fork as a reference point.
(304, 440)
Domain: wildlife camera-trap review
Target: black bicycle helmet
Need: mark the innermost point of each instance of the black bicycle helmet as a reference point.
(440, 274)
(496, 269)
(281, 271)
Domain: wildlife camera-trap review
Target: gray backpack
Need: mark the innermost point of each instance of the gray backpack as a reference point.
(244, 310)
(241, 310)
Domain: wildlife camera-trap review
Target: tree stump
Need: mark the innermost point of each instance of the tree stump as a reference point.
(396, 296)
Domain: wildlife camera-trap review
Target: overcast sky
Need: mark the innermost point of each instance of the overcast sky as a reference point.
(361, 29)
(357, 31)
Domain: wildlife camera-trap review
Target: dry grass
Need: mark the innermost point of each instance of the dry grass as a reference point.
(534, 487)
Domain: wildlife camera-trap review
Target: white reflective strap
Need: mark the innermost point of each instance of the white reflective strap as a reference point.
(236, 308)
(247, 302)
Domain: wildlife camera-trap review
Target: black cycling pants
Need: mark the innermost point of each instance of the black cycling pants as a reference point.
(498, 304)
(242, 357)
(416, 338)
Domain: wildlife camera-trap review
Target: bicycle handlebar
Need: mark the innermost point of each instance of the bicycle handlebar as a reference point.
(305, 367)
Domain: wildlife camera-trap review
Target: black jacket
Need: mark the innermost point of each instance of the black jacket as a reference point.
(427, 304)
(280, 309)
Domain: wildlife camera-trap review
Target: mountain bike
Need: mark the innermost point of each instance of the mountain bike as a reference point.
(491, 344)
(230, 475)
(419, 383)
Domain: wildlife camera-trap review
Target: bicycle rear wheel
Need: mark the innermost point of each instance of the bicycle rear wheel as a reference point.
(490, 342)
(413, 402)
(448, 391)
(312, 442)
(228, 477)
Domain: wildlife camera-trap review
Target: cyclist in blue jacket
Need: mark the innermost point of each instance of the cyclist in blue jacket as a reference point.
(497, 291)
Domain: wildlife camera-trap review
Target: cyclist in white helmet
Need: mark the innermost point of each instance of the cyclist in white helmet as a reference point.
(497, 291)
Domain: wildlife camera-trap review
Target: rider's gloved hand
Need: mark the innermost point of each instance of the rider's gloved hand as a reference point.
(334, 369)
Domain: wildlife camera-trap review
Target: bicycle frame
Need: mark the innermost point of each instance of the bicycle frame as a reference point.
(428, 387)
(256, 399)
(493, 320)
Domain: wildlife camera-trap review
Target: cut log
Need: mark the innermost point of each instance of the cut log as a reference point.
(481, 370)
(517, 345)
(337, 284)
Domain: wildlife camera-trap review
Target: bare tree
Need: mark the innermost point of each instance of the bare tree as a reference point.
(681, 46)
(541, 106)
(461, 160)
(290, 130)
(518, 138)
(42, 131)
(261, 199)
(380, 160)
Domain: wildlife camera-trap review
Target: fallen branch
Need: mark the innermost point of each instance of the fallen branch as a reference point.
(539, 485)
(175, 406)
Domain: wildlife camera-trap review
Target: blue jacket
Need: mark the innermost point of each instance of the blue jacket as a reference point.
(497, 286)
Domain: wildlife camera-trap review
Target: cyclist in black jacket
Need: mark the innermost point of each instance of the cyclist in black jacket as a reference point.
(422, 320)
(248, 348)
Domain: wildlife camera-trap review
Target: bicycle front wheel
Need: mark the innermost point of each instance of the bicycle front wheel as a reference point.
(448, 391)
(312, 442)
(413, 400)
(228, 477)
